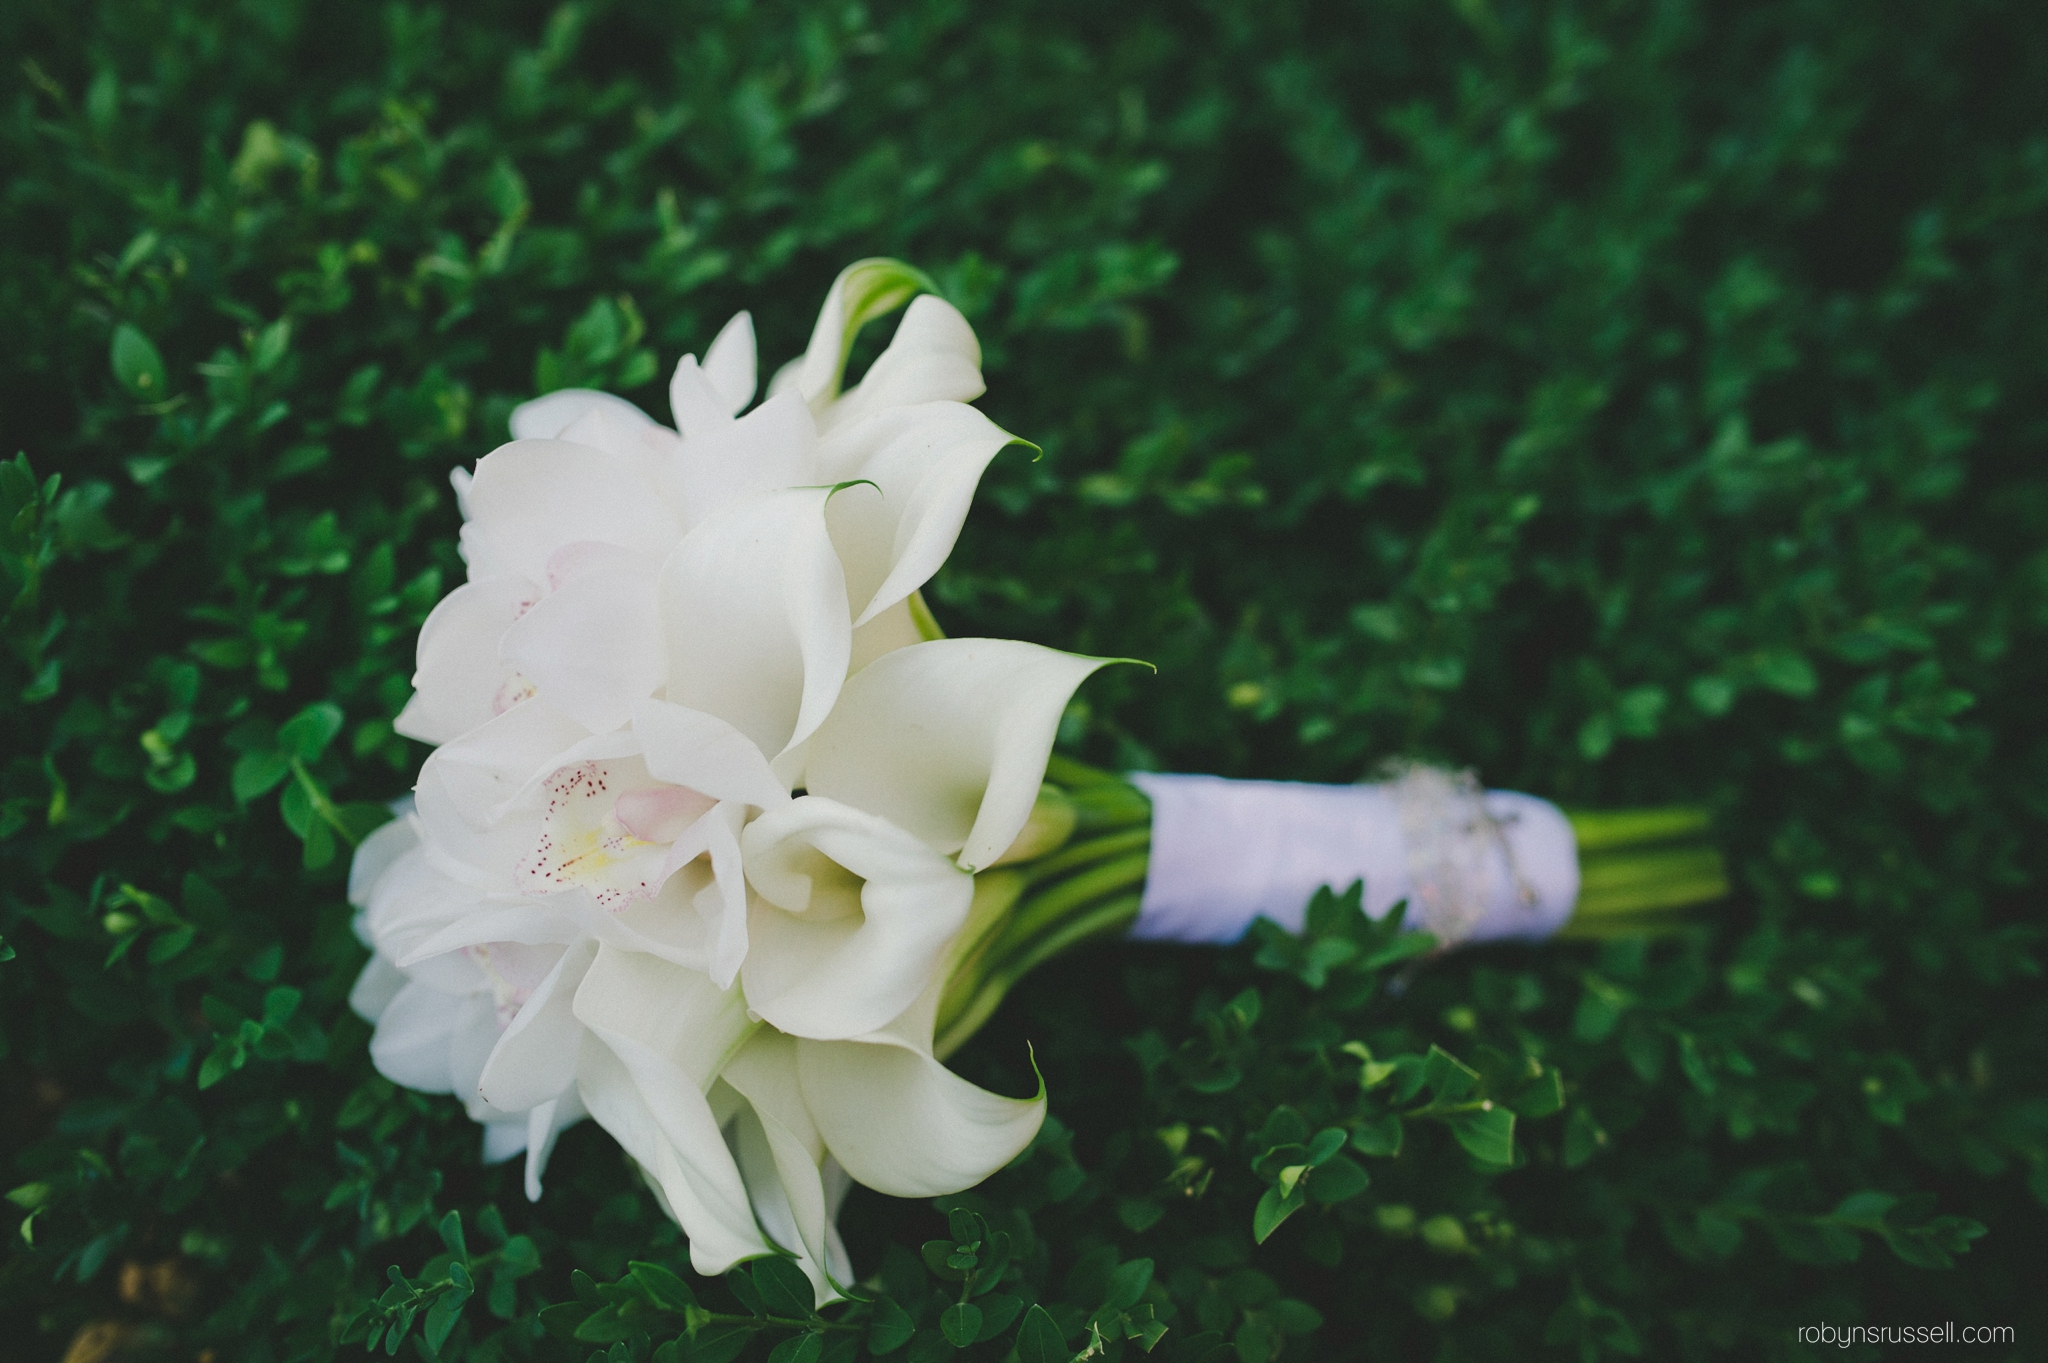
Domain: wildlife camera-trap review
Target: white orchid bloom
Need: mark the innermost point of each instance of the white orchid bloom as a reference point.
(629, 837)
(443, 1022)
(926, 771)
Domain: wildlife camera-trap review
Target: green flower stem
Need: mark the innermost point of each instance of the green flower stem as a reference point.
(1641, 872)
(1604, 830)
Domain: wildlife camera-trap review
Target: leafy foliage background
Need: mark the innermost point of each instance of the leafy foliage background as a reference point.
(1636, 401)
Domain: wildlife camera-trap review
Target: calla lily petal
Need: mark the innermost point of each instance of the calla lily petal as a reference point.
(927, 461)
(724, 461)
(934, 357)
(903, 1124)
(659, 1035)
(948, 739)
(853, 917)
(864, 290)
(781, 1154)
(754, 605)
(698, 406)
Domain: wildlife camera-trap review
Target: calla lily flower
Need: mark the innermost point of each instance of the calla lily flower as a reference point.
(926, 769)
(949, 739)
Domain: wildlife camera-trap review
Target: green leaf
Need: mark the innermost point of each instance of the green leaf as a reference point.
(450, 1229)
(259, 772)
(1337, 1180)
(1378, 1135)
(1127, 1283)
(1039, 1340)
(936, 1255)
(1274, 1207)
(997, 1311)
(443, 1316)
(960, 1323)
(562, 1319)
(784, 1289)
(892, 1328)
(307, 734)
(137, 366)
(1489, 1135)
(320, 847)
(664, 1288)
(804, 1348)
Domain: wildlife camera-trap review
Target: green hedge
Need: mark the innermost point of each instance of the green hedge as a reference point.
(1636, 401)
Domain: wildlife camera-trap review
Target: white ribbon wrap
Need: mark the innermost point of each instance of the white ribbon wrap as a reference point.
(1473, 865)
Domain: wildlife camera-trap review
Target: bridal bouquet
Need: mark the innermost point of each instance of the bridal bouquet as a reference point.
(724, 847)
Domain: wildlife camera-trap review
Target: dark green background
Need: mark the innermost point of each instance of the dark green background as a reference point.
(1639, 402)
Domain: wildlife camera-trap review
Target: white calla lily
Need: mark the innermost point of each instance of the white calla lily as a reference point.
(933, 357)
(926, 462)
(850, 921)
(902, 1123)
(864, 290)
(794, 1185)
(753, 602)
(658, 1037)
(606, 888)
(948, 739)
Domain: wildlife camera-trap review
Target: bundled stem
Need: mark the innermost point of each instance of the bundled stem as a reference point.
(1641, 871)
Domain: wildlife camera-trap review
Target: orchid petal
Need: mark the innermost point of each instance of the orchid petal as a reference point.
(698, 406)
(532, 497)
(927, 461)
(458, 676)
(864, 290)
(487, 767)
(948, 739)
(410, 1045)
(376, 854)
(754, 604)
(729, 363)
(544, 1125)
(535, 1058)
(727, 896)
(592, 646)
(503, 1140)
(853, 918)
(691, 748)
(545, 418)
(375, 987)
